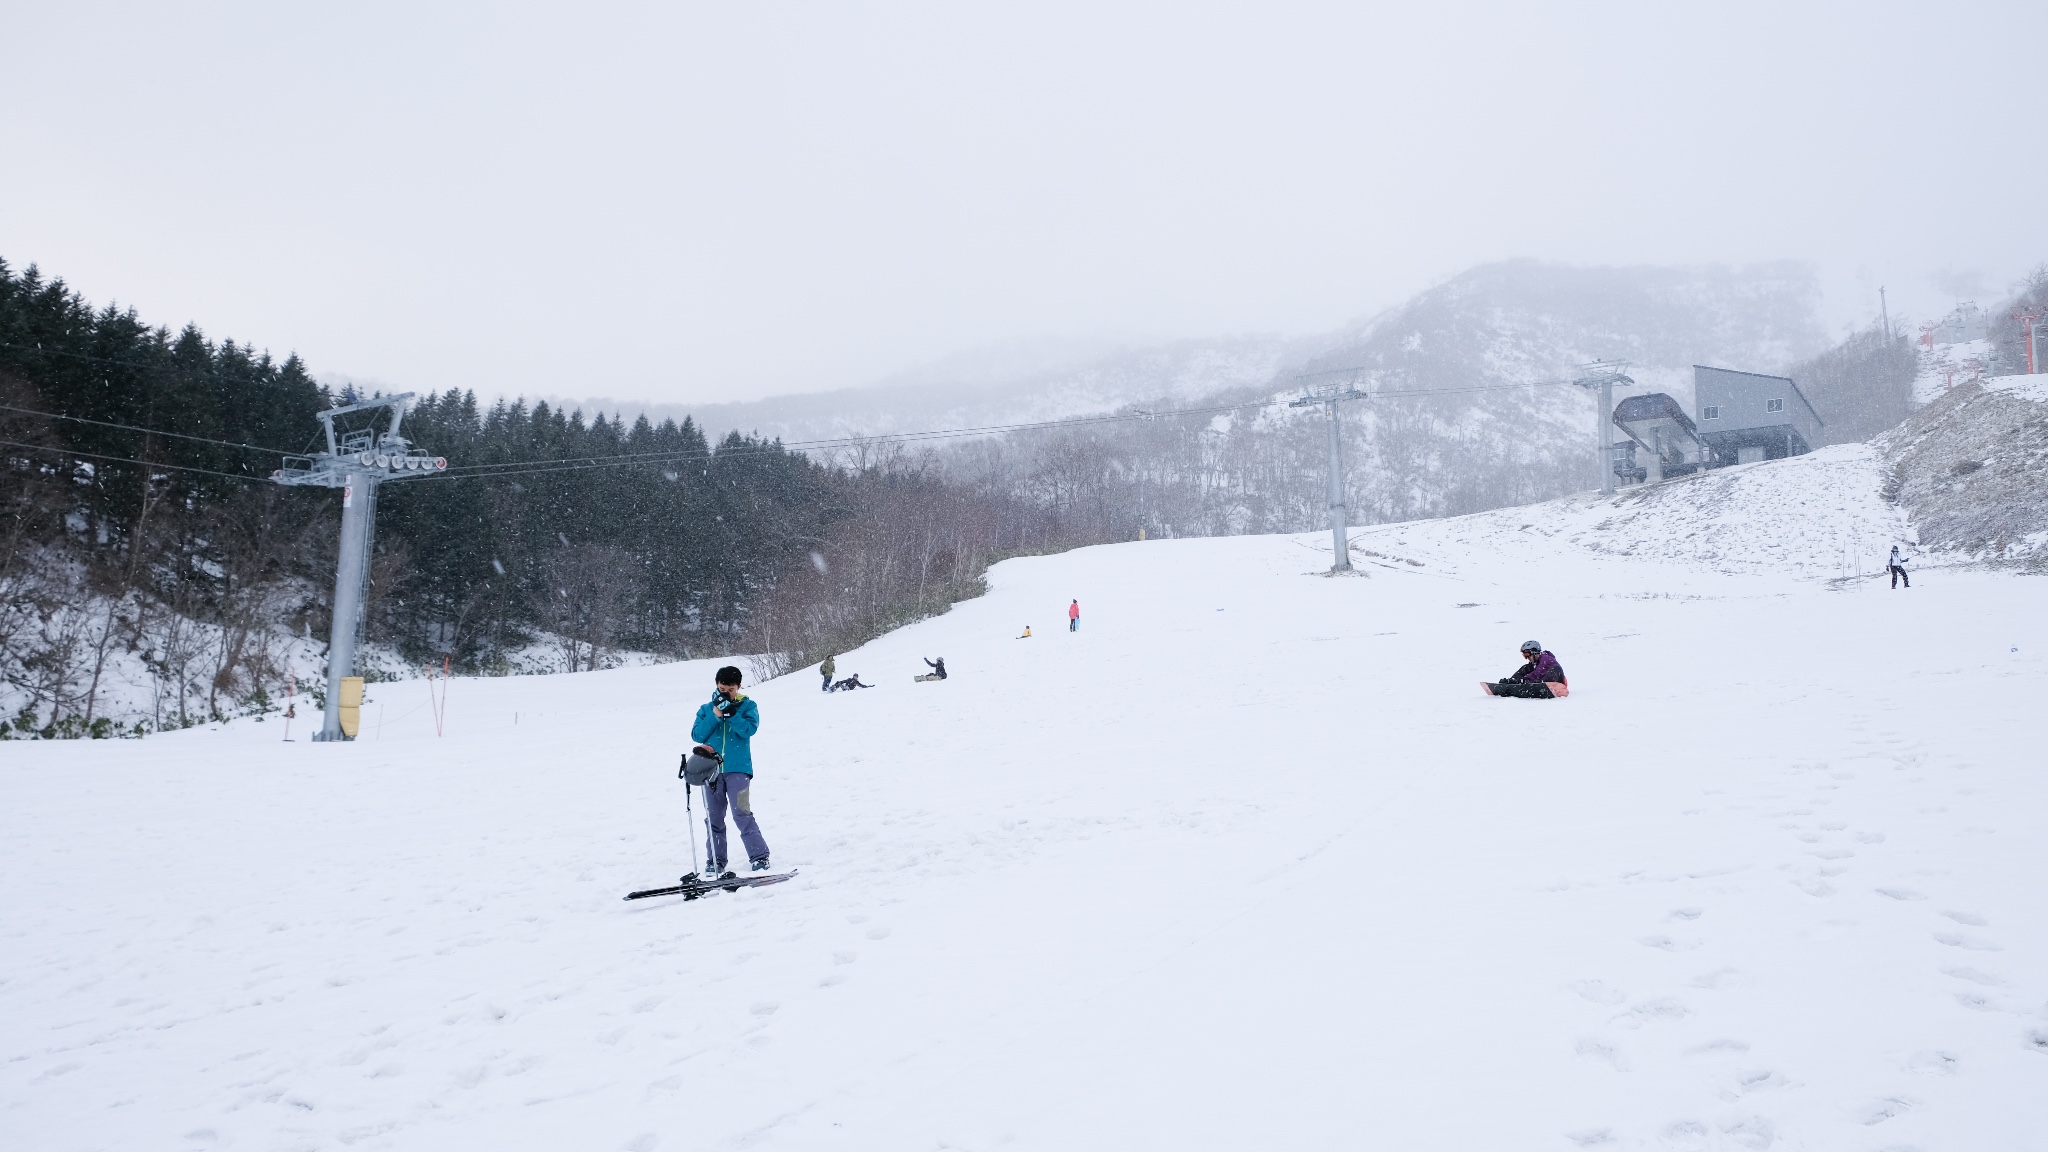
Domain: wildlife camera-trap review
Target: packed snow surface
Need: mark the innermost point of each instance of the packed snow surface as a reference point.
(2026, 387)
(1249, 861)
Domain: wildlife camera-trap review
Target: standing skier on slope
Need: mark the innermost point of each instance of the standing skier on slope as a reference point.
(1074, 616)
(1898, 568)
(1533, 680)
(826, 669)
(725, 724)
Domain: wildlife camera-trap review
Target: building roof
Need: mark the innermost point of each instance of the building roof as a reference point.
(1810, 409)
(1653, 406)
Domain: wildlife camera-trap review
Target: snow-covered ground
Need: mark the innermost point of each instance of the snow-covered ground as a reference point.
(1943, 366)
(1248, 862)
(2027, 387)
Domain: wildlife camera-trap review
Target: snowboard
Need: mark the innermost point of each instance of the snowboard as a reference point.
(927, 676)
(1557, 691)
(695, 885)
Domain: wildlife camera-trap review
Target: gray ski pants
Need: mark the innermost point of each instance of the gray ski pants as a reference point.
(731, 789)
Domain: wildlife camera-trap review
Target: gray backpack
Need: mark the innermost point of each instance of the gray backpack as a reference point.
(697, 768)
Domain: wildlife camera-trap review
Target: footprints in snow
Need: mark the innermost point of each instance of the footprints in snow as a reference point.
(1739, 1082)
(1967, 942)
(1830, 856)
(1597, 992)
(1975, 976)
(1971, 998)
(845, 956)
(1742, 1132)
(1826, 840)
(1935, 1063)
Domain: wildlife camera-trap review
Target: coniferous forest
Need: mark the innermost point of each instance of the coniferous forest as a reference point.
(134, 528)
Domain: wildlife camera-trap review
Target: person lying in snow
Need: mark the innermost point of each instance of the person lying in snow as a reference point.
(850, 683)
(1542, 678)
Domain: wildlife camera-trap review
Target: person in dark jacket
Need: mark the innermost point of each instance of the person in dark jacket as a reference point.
(1533, 679)
(938, 668)
(726, 725)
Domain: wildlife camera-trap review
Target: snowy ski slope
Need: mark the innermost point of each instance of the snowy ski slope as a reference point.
(1248, 862)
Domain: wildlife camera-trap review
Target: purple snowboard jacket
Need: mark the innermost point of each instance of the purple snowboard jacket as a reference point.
(1544, 669)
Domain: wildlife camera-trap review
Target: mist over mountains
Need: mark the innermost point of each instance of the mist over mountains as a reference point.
(1008, 384)
(1510, 322)
(1471, 406)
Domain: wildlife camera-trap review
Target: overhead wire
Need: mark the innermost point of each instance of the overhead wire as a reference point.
(144, 431)
(131, 460)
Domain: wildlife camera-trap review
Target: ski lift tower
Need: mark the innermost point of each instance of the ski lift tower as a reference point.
(2031, 316)
(1604, 375)
(1331, 389)
(356, 461)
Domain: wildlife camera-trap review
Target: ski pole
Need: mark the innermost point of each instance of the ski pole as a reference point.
(707, 826)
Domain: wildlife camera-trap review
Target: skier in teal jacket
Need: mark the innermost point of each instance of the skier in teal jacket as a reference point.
(726, 725)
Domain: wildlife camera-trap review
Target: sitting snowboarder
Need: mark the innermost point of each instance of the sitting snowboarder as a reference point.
(938, 670)
(1541, 678)
(850, 683)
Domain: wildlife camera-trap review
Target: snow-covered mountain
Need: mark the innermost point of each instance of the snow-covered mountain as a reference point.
(1523, 320)
(1499, 323)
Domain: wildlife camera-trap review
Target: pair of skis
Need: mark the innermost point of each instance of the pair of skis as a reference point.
(703, 883)
(695, 885)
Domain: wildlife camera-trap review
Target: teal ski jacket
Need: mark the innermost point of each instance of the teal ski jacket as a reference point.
(729, 734)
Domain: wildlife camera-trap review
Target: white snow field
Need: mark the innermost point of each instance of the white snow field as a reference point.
(1247, 862)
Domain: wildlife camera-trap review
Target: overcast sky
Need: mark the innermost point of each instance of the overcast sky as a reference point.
(688, 202)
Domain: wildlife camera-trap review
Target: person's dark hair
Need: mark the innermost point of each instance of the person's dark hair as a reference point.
(728, 675)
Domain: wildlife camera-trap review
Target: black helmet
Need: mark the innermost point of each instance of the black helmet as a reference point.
(1529, 646)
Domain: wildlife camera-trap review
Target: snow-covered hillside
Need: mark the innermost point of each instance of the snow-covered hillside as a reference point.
(1809, 516)
(1248, 861)
(1969, 467)
(1944, 366)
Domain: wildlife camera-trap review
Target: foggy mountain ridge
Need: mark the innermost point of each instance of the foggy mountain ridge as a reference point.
(1524, 321)
(987, 387)
(1501, 323)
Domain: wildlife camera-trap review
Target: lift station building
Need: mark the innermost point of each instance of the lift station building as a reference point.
(1747, 416)
(1743, 417)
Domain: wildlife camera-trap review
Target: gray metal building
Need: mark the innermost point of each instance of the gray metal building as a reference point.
(1746, 416)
